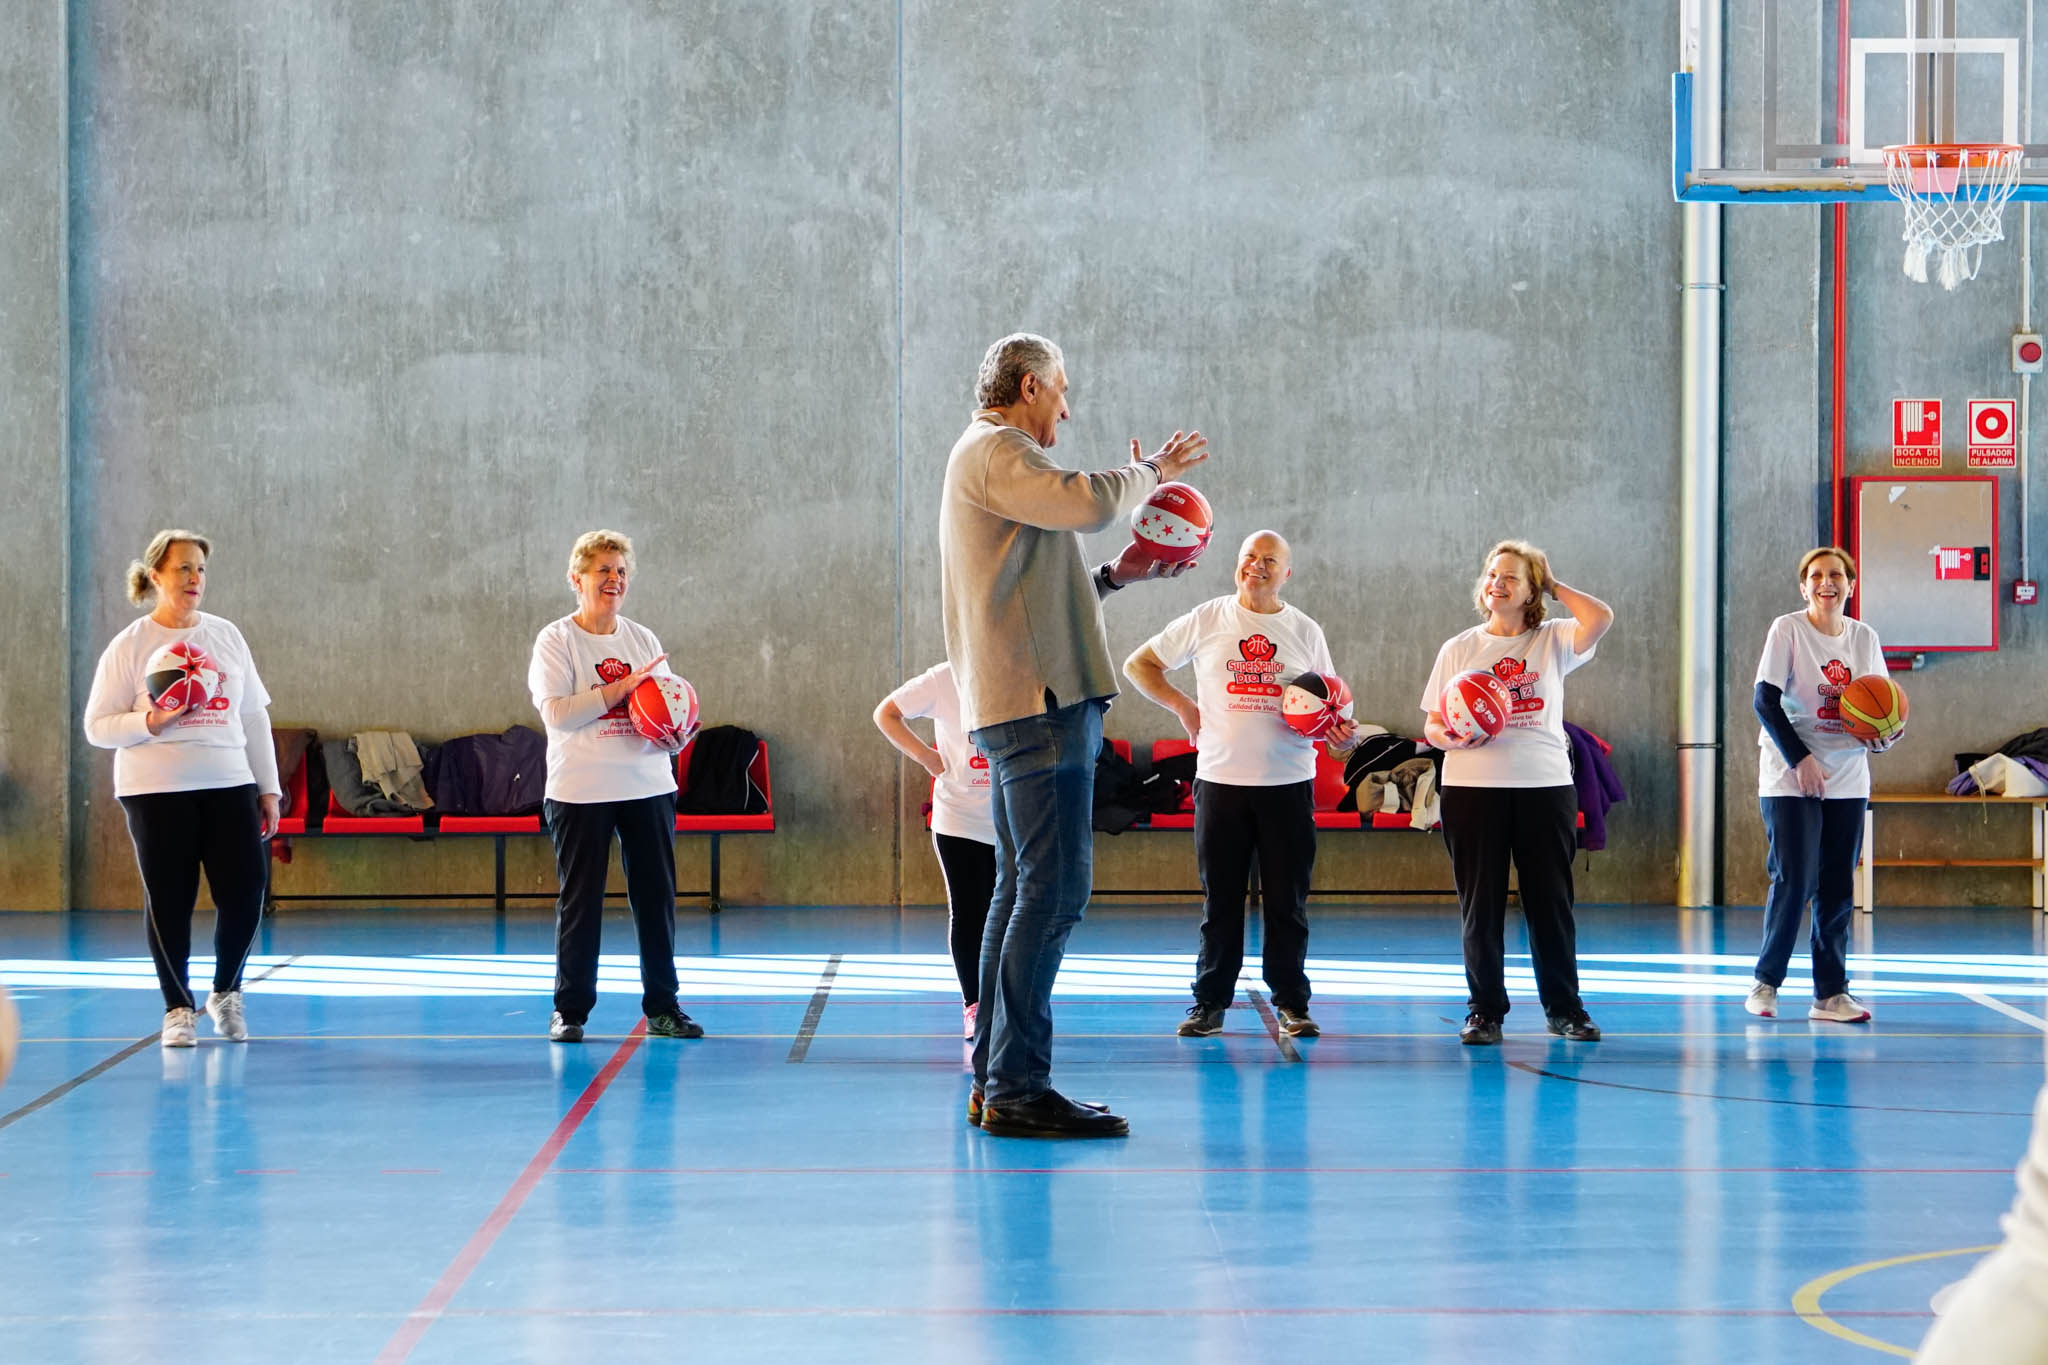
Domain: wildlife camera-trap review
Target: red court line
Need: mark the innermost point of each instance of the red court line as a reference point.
(435, 1304)
(100, 1174)
(259, 1170)
(402, 1170)
(2004, 1171)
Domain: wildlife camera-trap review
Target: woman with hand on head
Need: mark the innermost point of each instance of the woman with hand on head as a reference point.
(1511, 797)
(1813, 782)
(606, 781)
(195, 774)
(963, 822)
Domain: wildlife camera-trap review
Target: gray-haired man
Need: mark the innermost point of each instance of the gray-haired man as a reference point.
(1031, 659)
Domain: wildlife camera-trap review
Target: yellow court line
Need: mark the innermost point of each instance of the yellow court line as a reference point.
(1806, 1300)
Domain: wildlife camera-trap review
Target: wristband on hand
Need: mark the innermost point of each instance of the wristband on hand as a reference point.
(1109, 584)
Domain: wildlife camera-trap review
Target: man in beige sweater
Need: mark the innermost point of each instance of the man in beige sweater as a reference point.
(1031, 660)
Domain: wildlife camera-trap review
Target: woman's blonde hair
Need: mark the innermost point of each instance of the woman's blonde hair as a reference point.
(591, 544)
(140, 589)
(1822, 552)
(1539, 579)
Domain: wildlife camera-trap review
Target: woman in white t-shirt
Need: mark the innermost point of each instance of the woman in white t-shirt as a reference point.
(963, 823)
(606, 781)
(1813, 782)
(1511, 798)
(197, 782)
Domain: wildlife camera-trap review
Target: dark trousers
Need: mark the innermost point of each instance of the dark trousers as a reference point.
(582, 831)
(1814, 844)
(1233, 825)
(1535, 827)
(176, 835)
(970, 869)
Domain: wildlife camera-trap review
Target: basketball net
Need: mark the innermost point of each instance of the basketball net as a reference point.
(1954, 196)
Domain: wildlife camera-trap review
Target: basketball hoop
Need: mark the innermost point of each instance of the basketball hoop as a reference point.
(1954, 194)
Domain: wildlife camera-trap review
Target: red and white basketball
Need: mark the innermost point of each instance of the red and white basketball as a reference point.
(664, 709)
(1475, 704)
(1313, 703)
(181, 674)
(1173, 524)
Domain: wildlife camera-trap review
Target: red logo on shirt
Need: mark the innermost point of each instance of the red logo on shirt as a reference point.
(1835, 675)
(1257, 673)
(1521, 686)
(610, 671)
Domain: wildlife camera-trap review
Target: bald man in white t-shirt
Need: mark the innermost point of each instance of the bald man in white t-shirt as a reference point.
(1254, 776)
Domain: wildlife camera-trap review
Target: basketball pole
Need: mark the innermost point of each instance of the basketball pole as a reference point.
(1699, 611)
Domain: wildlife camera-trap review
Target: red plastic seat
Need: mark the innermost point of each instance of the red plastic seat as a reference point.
(339, 821)
(490, 824)
(295, 823)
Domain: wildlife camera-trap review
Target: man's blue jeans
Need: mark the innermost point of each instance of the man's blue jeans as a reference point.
(1042, 789)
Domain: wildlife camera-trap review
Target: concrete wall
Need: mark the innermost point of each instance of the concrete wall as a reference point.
(396, 299)
(36, 698)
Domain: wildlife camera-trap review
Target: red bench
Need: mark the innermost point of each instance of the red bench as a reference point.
(335, 822)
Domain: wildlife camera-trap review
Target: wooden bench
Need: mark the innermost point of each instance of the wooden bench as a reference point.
(1867, 864)
(335, 822)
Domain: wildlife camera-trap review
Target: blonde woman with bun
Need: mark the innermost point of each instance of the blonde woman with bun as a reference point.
(197, 782)
(1510, 798)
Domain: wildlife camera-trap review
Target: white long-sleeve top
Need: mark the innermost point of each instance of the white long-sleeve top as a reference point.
(594, 754)
(225, 743)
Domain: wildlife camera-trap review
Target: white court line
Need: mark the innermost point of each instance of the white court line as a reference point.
(1990, 1004)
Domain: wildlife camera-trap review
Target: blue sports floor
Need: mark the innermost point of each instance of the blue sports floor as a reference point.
(400, 1167)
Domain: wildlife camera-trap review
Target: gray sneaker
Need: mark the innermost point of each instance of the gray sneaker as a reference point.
(1202, 1022)
(225, 1009)
(1762, 1001)
(560, 1030)
(1297, 1024)
(181, 1028)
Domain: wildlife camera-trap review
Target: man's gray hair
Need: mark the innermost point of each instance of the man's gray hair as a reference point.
(1008, 361)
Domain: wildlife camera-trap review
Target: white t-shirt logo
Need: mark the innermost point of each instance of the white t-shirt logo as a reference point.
(1255, 673)
(1521, 685)
(1835, 677)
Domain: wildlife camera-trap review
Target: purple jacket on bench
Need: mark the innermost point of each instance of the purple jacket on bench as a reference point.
(1597, 785)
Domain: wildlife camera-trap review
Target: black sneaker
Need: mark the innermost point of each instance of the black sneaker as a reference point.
(677, 1025)
(1203, 1021)
(1479, 1031)
(560, 1030)
(1577, 1027)
(1297, 1024)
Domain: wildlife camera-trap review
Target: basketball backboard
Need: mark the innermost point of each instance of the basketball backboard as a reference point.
(1810, 92)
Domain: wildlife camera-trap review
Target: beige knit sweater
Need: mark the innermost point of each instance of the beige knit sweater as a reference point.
(1023, 611)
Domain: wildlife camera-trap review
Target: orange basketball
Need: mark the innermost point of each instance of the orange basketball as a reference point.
(1873, 707)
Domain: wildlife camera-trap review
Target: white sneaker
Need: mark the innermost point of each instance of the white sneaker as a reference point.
(1763, 1000)
(226, 1013)
(1842, 1009)
(967, 1016)
(181, 1028)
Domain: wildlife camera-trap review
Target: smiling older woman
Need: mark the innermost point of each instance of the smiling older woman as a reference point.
(605, 781)
(1510, 798)
(1813, 782)
(195, 775)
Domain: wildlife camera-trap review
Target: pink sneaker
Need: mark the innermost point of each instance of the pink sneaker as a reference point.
(968, 1013)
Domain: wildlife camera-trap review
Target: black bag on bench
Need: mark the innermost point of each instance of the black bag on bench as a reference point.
(720, 783)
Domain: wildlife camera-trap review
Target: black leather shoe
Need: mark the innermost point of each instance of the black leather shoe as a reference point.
(974, 1105)
(1479, 1031)
(1051, 1115)
(1576, 1027)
